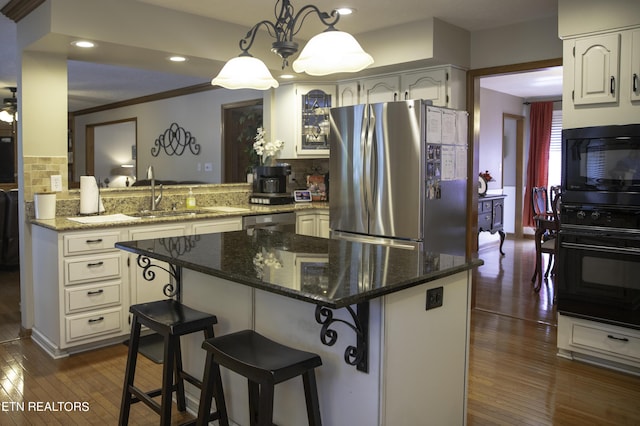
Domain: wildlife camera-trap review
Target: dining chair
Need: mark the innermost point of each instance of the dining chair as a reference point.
(547, 224)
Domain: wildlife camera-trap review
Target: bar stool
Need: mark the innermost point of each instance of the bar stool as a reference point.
(170, 319)
(264, 363)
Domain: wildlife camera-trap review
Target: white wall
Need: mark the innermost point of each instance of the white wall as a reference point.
(525, 42)
(577, 17)
(199, 113)
(492, 150)
(112, 148)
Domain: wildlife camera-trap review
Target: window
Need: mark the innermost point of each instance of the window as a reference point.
(555, 150)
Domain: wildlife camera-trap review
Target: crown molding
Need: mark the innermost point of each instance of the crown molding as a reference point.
(18, 9)
(203, 87)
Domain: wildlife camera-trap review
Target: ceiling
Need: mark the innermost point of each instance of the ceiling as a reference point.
(94, 83)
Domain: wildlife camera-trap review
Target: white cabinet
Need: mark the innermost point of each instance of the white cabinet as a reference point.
(80, 295)
(599, 343)
(428, 84)
(635, 66)
(444, 86)
(313, 223)
(142, 290)
(601, 78)
(217, 225)
(348, 93)
(83, 287)
(596, 70)
(300, 118)
(322, 225)
(381, 89)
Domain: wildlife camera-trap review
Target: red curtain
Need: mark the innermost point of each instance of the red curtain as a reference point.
(541, 114)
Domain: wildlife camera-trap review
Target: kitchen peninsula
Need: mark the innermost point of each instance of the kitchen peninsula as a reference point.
(391, 325)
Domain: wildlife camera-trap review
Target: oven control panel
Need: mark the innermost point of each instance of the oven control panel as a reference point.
(600, 215)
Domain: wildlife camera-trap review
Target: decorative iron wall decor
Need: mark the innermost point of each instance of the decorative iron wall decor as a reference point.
(174, 141)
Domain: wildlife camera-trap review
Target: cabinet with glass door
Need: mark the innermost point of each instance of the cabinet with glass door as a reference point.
(301, 120)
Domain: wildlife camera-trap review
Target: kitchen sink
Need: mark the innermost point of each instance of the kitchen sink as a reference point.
(151, 214)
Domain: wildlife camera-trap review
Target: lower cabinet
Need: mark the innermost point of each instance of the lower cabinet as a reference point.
(83, 286)
(314, 223)
(80, 288)
(599, 343)
(140, 289)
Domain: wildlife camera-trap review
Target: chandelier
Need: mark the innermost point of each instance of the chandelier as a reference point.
(331, 51)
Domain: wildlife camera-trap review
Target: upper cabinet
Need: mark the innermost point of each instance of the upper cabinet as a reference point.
(380, 89)
(300, 118)
(444, 86)
(635, 65)
(601, 75)
(596, 70)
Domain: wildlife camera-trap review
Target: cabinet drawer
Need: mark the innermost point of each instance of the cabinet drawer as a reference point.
(607, 341)
(92, 297)
(90, 243)
(485, 206)
(93, 324)
(484, 222)
(92, 268)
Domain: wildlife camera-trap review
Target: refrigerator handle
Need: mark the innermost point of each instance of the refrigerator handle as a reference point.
(364, 149)
(370, 175)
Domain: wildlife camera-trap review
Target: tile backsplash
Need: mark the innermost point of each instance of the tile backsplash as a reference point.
(38, 172)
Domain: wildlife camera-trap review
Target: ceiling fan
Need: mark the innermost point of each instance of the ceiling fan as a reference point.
(8, 112)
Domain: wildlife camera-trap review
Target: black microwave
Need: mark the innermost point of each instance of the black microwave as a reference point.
(601, 165)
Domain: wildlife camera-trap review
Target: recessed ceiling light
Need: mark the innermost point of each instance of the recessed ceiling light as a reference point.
(345, 10)
(177, 58)
(287, 76)
(85, 44)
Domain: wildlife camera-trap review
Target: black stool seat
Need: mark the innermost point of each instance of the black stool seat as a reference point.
(170, 319)
(264, 363)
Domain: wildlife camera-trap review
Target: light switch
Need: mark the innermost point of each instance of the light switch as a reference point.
(208, 167)
(56, 183)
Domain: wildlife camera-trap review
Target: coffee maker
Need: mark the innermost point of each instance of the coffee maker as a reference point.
(270, 185)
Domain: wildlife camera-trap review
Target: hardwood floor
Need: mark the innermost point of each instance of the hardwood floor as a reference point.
(9, 304)
(515, 377)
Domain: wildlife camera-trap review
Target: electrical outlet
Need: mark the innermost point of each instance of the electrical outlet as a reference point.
(56, 183)
(434, 298)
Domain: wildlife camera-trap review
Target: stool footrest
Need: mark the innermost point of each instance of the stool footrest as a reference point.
(191, 379)
(140, 396)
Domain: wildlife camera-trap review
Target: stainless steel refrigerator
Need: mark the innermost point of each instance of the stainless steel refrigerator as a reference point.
(398, 175)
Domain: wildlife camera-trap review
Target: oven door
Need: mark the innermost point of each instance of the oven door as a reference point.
(599, 276)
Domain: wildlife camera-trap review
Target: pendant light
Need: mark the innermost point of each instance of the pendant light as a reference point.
(329, 52)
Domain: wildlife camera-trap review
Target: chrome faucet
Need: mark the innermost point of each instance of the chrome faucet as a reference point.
(154, 200)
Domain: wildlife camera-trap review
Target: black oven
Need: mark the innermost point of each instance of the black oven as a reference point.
(601, 165)
(599, 264)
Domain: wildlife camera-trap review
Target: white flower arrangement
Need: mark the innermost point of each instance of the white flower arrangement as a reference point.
(266, 149)
(264, 259)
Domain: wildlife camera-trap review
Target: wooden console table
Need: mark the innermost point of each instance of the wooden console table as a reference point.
(491, 216)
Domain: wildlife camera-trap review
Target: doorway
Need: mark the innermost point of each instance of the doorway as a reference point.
(110, 153)
(240, 122)
(473, 107)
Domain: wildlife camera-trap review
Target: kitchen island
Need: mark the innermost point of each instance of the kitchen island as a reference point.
(391, 325)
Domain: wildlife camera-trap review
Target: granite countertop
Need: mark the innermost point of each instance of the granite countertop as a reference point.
(62, 223)
(324, 272)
